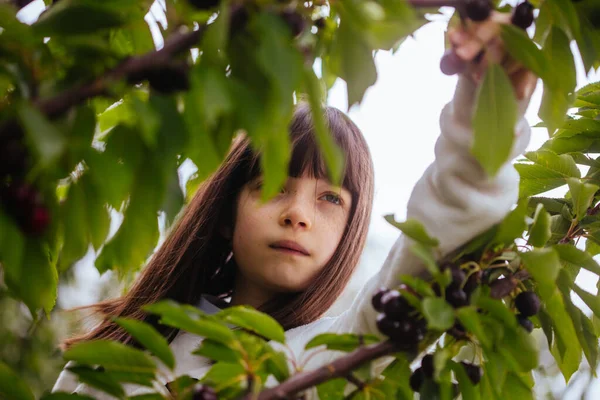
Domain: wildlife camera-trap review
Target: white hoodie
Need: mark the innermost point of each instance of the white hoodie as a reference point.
(455, 201)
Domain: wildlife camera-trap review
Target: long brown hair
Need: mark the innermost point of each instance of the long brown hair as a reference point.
(193, 259)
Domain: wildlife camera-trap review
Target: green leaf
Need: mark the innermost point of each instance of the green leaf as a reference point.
(224, 374)
(147, 396)
(47, 141)
(277, 365)
(540, 231)
(561, 81)
(497, 309)
(342, 342)
(592, 247)
(582, 195)
(78, 17)
(334, 157)
(217, 351)
(149, 338)
(65, 396)
(214, 39)
(255, 321)
(577, 257)
(424, 253)
(35, 280)
(519, 350)
(413, 229)
(467, 389)
(543, 265)
(537, 179)
(98, 379)
(562, 164)
(591, 300)
(137, 236)
(494, 374)
(515, 389)
(207, 100)
(76, 238)
(569, 358)
(469, 318)
(352, 60)
(513, 225)
(398, 371)
(583, 326)
(12, 386)
(523, 49)
(113, 356)
(419, 285)
(173, 314)
(332, 389)
(439, 314)
(494, 120)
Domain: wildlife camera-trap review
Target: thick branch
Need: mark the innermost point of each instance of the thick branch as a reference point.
(175, 44)
(336, 369)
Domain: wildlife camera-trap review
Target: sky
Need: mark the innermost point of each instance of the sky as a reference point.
(399, 119)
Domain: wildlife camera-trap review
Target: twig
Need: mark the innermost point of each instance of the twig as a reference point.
(355, 381)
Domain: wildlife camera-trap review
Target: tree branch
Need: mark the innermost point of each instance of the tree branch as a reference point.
(338, 368)
(174, 45)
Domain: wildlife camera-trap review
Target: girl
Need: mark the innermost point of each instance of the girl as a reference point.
(293, 256)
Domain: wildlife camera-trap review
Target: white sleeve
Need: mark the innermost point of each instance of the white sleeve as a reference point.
(455, 200)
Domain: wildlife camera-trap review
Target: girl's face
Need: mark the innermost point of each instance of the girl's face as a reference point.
(281, 245)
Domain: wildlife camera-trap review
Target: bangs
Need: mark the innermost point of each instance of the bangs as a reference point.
(306, 157)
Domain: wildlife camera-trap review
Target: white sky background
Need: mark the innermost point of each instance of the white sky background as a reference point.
(399, 119)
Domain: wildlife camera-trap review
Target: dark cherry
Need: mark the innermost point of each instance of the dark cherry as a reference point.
(204, 4)
(525, 322)
(203, 392)
(376, 299)
(473, 282)
(474, 372)
(528, 303)
(452, 64)
(427, 365)
(395, 306)
(456, 297)
(522, 15)
(39, 221)
(478, 10)
(294, 20)
(416, 379)
(169, 79)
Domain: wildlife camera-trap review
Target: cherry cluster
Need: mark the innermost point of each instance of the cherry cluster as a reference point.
(399, 320)
(480, 10)
(426, 371)
(24, 203)
(204, 392)
(18, 198)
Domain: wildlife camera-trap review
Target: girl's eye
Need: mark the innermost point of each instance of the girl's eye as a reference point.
(333, 198)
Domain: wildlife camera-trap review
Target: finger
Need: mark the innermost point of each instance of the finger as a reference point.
(457, 37)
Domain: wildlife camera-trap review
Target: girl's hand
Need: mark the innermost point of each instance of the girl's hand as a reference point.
(479, 43)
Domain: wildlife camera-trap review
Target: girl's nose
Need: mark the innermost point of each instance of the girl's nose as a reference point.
(296, 216)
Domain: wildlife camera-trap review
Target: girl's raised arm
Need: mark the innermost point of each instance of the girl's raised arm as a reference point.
(455, 199)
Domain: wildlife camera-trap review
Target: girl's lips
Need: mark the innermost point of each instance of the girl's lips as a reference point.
(289, 246)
